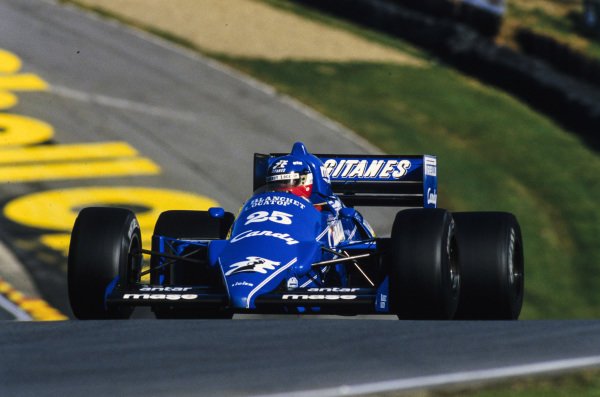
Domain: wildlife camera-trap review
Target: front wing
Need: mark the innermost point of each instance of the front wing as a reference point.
(298, 301)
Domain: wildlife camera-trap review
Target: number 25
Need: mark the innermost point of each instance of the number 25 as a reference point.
(275, 216)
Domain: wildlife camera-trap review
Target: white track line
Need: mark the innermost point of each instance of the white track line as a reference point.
(14, 309)
(123, 104)
(446, 379)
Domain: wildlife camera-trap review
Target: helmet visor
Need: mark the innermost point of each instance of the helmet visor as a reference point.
(288, 181)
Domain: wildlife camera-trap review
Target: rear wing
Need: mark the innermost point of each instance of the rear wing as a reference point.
(371, 180)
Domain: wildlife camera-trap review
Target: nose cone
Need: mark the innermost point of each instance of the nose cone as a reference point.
(239, 291)
(249, 276)
(253, 269)
(273, 239)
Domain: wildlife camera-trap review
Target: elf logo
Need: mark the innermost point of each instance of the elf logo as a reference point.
(253, 264)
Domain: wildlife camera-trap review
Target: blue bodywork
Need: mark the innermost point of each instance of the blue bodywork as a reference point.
(275, 257)
(272, 243)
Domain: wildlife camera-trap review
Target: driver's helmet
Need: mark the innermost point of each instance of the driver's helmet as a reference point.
(290, 174)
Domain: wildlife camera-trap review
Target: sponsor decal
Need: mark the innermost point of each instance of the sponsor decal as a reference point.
(268, 279)
(275, 200)
(169, 297)
(382, 301)
(253, 264)
(431, 196)
(165, 289)
(333, 289)
(367, 169)
(297, 163)
(283, 177)
(329, 297)
(280, 165)
(430, 166)
(242, 284)
(252, 233)
(292, 283)
(275, 216)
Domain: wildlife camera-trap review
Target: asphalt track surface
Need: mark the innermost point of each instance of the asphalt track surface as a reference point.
(201, 123)
(262, 357)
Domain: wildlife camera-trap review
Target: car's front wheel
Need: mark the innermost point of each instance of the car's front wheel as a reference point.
(105, 243)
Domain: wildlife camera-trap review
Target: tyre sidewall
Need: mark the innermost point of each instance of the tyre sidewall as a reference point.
(99, 251)
(421, 286)
(492, 252)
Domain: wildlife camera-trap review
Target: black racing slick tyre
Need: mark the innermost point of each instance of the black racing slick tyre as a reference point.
(492, 265)
(190, 225)
(425, 276)
(105, 243)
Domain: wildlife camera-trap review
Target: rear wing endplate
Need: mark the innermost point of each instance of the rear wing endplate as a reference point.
(372, 180)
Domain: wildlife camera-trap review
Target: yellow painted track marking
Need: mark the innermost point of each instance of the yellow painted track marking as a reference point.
(22, 82)
(37, 308)
(77, 170)
(9, 62)
(18, 130)
(58, 242)
(89, 151)
(57, 209)
(7, 100)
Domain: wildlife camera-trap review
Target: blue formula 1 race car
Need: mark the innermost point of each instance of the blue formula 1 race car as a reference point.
(299, 246)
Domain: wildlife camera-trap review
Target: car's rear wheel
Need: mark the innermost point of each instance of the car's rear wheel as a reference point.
(105, 243)
(191, 225)
(425, 277)
(492, 265)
